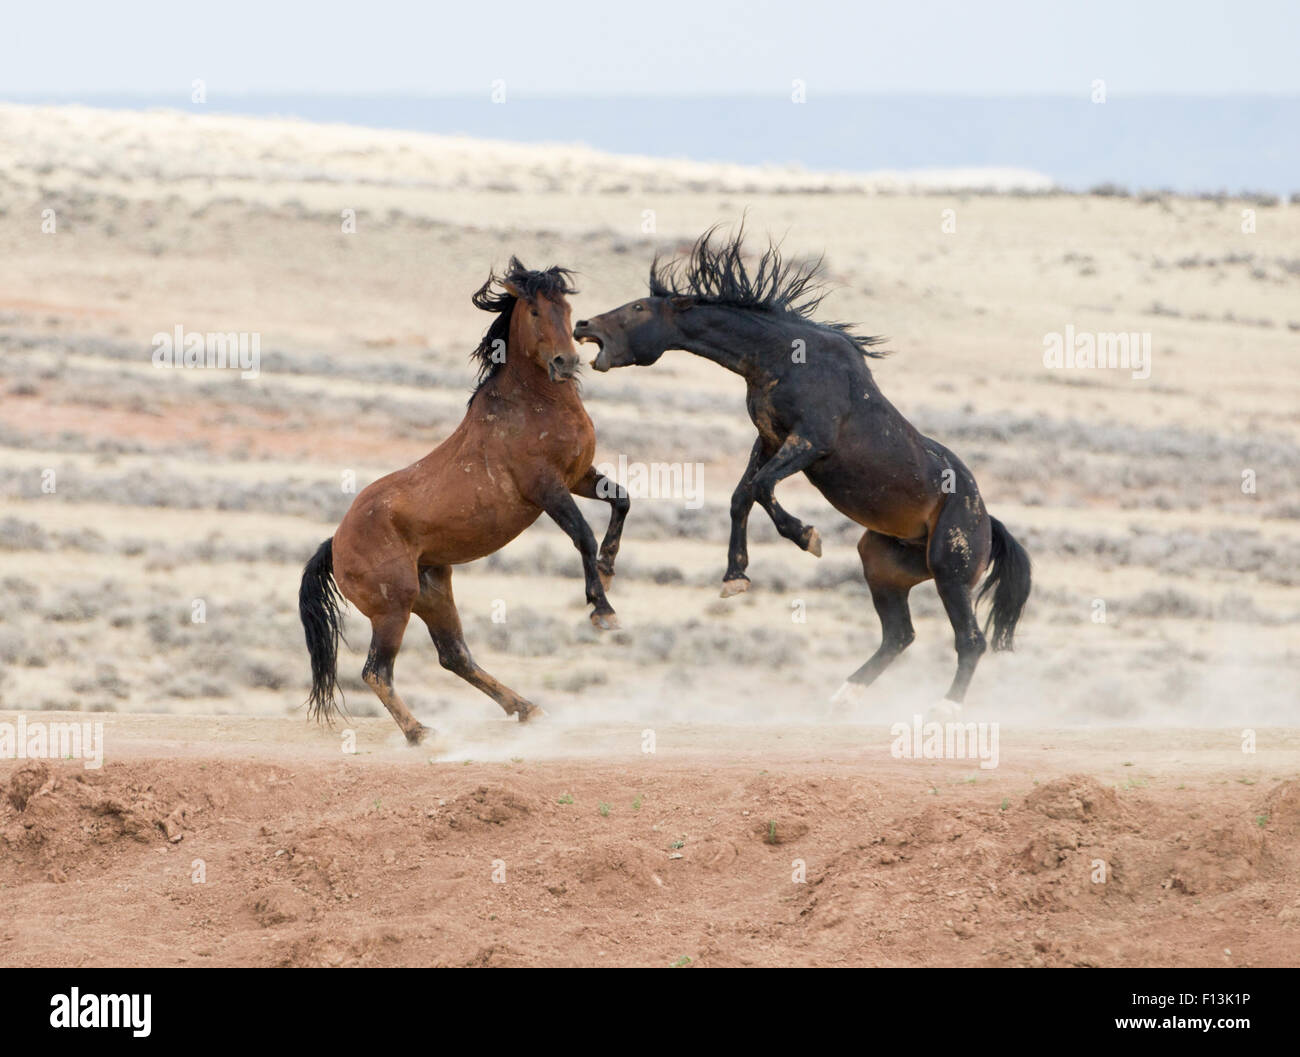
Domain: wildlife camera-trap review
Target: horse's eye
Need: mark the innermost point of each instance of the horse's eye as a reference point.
(638, 308)
(534, 311)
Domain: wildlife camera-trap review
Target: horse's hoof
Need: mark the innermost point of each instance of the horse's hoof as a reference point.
(944, 710)
(813, 543)
(849, 695)
(606, 621)
(735, 587)
(531, 713)
(414, 737)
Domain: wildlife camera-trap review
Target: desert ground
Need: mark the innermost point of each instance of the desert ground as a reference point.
(154, 523)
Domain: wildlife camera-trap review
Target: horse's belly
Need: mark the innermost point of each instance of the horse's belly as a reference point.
(902, 506)
(466, 534)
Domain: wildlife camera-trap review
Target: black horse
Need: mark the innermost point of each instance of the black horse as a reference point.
(818, 410)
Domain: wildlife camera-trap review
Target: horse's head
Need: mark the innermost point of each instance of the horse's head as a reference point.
(533, 306)
(541, 327)
(638, 332)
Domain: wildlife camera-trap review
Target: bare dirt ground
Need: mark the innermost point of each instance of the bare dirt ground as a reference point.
(258, 842)
(154, 523)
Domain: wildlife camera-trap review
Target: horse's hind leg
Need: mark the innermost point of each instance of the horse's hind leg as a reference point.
(382, 586)
(958, 553)
(387, 630)
(892, 568)
(437, 608)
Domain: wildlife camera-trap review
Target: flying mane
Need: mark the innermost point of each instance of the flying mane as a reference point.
(550, 283)
(716, 275)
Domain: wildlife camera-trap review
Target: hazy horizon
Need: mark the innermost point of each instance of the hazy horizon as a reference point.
(1233, 144)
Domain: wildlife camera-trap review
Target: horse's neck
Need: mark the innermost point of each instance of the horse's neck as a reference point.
(522, 380)
(713, 334)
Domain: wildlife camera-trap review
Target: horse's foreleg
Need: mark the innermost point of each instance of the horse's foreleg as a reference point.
(437, 608)
(796, 454)
(734, 580)
(596, 485)
(559, 504)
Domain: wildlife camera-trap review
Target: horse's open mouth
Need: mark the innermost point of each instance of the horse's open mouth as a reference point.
(590, 337)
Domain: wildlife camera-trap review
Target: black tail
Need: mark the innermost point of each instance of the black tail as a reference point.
(319, 606)
(1009, 580)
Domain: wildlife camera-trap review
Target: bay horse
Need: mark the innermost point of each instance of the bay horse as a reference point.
(523, 449)
(818, 410)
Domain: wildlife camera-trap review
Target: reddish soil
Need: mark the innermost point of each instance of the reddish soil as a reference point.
(612, 857)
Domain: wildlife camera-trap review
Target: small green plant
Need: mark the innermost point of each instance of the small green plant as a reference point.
(636, 804)
(1261, 821)
(604, 810)
(1004, 805)
(567, 798)
(680, 963)
(677, 844)
(771, 831)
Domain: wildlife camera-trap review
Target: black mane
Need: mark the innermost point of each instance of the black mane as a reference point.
(551, 283)
(716, 275)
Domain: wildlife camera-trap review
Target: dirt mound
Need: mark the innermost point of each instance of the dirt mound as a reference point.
(486, 807)
(280, 905)
(781, 813)
(1280, 811)
(619, 869)
(933, 824)
(26, 782)
(1049, 849)
(57, 820)
(1076, 796)
(1223, 857)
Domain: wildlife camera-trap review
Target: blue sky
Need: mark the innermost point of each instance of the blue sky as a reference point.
(668, 47)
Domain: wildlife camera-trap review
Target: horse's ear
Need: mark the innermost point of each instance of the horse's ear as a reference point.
(681, 304)
(512, 290)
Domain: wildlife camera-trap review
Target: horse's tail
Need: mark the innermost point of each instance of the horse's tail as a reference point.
(319, 606)
(1009, 580)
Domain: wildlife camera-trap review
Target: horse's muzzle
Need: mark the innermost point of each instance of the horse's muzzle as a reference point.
(561, 368)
